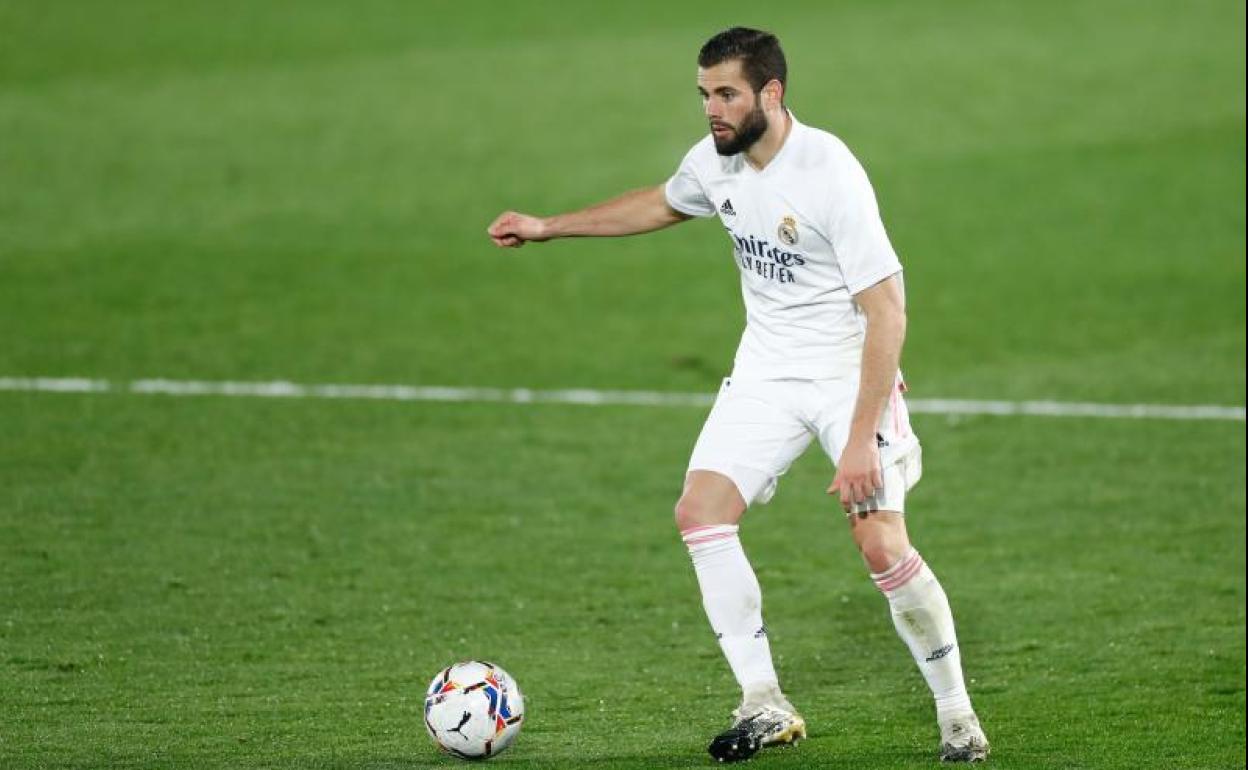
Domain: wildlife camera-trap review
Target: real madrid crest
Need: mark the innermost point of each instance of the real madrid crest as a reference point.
(787, 231)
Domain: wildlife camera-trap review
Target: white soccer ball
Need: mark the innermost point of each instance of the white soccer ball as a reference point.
(473, 710)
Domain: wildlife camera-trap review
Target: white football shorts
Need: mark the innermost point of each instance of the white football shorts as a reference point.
(757, 428)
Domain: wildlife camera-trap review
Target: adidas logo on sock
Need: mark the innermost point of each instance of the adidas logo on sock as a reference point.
(727, 209)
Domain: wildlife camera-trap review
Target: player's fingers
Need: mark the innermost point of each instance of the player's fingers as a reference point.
(846, 490)
(509, 241)
(838, 489)
(877, 479)
(860, 490)
(835, 487)
(500, 224)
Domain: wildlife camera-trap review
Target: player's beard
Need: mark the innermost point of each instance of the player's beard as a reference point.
(743, 137)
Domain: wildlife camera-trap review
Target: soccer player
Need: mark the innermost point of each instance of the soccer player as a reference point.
(825, 321)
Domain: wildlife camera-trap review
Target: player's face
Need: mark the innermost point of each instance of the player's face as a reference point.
(733, 109)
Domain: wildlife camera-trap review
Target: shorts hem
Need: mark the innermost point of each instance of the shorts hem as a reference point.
(731, 472)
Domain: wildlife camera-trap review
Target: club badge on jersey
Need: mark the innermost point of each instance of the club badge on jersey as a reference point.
(787, 231)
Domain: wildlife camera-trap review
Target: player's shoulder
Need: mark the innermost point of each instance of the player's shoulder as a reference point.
(820, 147)
(827, 161)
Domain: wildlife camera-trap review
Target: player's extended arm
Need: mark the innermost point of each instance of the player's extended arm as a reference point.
(638, 211)
(858, 473)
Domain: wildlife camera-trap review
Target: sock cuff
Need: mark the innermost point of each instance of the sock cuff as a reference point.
(708, 534)
(900, 573)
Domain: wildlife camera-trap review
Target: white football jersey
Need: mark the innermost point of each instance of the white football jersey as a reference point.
(806, 235)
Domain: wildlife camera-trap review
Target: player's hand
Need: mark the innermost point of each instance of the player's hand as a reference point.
(512, 229)
(858, 475)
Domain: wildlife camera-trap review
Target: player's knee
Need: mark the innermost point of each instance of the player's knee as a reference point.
(694, 510)
(881, 551)
(688, 512)
(881, 539)
(878, 557)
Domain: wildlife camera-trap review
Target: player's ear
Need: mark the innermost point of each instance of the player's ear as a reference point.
(773, 94)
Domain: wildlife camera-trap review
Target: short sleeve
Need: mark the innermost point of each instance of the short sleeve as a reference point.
(684, 191)
(858, 238)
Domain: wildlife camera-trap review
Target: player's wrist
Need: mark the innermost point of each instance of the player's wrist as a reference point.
(547, 228)
(861, 437)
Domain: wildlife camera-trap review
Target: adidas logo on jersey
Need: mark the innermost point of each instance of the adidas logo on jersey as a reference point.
(727, 209)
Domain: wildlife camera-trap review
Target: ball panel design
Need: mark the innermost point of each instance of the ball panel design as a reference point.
(473, 709)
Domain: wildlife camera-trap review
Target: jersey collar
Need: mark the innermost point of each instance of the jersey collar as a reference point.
(784, 151)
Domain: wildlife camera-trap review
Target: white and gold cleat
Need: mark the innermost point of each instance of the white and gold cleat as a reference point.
(963, 740)
(769, 720)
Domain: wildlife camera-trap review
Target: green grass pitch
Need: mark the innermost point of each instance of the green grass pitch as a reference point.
(258, 191)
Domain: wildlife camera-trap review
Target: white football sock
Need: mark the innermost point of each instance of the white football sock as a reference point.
(733, 602)
(924, 622)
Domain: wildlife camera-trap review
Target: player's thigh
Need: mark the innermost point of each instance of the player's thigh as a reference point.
(901, 458)
(838, 399)
(752, 435)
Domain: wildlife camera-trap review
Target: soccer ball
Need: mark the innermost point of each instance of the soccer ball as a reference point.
(473, 710)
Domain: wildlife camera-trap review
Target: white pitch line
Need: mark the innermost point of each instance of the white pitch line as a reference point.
(1077, 409)
(280, 389)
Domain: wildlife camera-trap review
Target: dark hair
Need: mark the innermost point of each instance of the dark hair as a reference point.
(761, 58)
